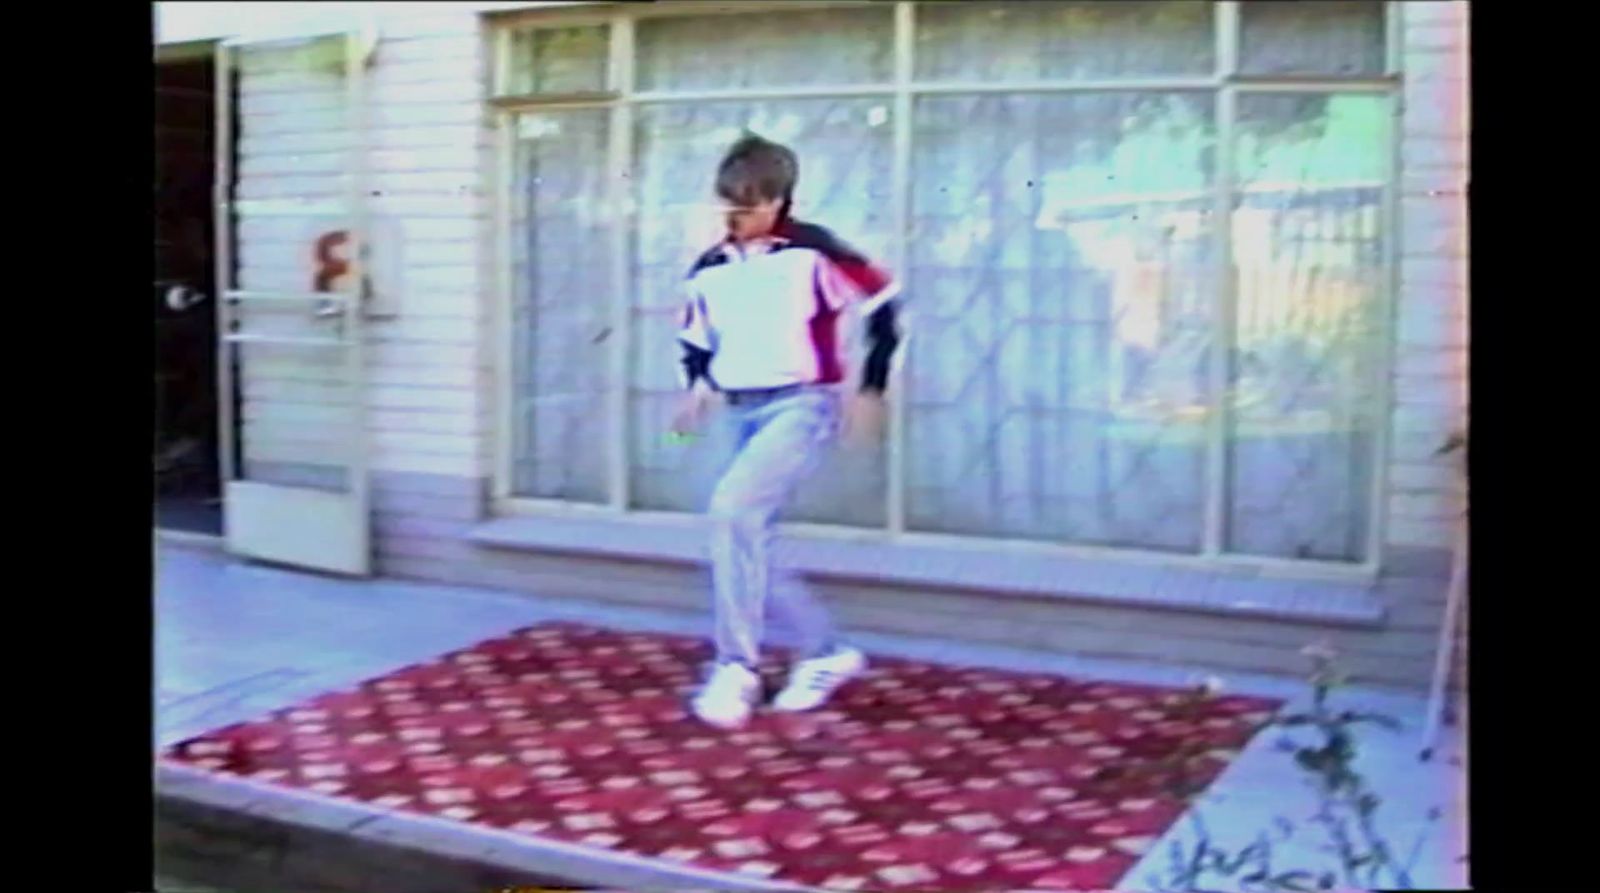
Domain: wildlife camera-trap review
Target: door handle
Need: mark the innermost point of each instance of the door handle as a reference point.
(181, 297)
(333, 308)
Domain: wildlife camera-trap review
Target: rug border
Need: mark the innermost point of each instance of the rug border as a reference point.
(448, 838)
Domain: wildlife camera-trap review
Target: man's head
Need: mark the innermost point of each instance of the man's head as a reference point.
(756, 182)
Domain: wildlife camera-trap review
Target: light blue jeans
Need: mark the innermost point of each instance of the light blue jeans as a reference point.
(777, 444)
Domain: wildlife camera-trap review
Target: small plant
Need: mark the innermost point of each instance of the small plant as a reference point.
(1347, 807)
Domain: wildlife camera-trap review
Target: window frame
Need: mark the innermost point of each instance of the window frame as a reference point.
(1225, 84)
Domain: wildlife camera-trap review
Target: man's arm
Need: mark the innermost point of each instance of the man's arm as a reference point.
(866, 413)
(883, 336)
(696, 335)
(698, 339)
(696, 365)
(849, 277)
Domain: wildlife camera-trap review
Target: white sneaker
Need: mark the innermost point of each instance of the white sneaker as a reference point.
(814, 681)
(728, 696)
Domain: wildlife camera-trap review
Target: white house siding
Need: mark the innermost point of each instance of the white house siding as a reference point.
(431, 420)
(1425, 490)
(1424, 497)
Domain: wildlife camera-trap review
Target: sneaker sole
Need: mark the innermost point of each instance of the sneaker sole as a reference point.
(725, 725)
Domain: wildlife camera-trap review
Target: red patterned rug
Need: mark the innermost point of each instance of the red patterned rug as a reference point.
(917, 776)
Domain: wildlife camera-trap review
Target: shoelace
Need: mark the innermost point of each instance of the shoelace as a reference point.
(821, 680)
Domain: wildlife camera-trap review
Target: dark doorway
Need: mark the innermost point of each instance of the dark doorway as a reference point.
(187, 473)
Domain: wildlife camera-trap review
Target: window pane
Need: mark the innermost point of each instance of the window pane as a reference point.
(768, 49)
(1062, 285)
(844, 148)
(1024, 41)
(294, 409)
(1307, 243)
(1343, 37)
(561, 250)
(558, 60)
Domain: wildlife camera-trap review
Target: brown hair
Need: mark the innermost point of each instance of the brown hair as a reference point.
(757, 169)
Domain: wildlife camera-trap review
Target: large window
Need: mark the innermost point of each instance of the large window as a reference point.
(1144, 248)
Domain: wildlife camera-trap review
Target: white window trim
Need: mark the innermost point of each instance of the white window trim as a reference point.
(621, 99)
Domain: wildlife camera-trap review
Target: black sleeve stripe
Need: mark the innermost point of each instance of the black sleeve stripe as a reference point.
(868, 277)
(696, 363)
(711, 257)
(883, 336)
(823, 241)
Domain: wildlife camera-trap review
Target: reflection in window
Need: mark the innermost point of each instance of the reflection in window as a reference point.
(1061, 272)
(557, 60)
(723, 52)
(1308, 253)
(986, 41)
(1311, 37)
(560, 265)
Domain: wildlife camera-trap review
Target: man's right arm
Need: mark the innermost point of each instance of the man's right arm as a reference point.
(697, 338)
(696, 365)
(696, 334)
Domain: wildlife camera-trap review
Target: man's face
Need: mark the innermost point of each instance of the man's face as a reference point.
(748, 221)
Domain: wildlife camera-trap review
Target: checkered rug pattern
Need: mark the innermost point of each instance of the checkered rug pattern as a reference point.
(917, 776)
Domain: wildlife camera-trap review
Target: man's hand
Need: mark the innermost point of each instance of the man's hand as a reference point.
(693, 408)
(865, 413)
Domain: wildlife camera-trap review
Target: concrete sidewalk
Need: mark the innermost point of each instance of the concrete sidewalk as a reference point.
(234, 641)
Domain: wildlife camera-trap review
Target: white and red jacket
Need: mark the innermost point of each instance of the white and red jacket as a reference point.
(766, 314)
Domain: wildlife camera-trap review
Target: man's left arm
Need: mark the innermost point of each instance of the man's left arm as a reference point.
(883, 337)
(849, 277)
